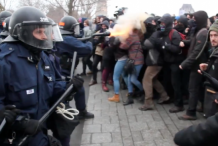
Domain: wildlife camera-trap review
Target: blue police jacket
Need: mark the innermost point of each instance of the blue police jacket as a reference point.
(31, 87)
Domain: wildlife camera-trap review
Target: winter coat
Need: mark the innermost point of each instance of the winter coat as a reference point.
(133, 45)
(170, 48)
(212, 68)
(114, 45)
(197, 53)
(153, 56)
(203, 134)
(87, 31)
(100, 43)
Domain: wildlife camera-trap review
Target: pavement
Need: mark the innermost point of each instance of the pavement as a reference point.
(118, 125)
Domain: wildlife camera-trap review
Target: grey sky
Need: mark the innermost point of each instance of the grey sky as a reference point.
(160, 7)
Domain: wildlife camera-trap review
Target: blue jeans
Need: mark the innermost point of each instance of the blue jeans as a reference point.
(133, 79)
(118, 71)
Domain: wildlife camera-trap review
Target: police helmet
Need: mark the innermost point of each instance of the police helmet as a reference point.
(32, 27)
(56, 34)
(5, 31)
(69, 25)
(3, 15)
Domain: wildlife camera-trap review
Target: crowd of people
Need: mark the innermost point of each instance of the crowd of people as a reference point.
(166, 58)
(170, 58)
(176, 56)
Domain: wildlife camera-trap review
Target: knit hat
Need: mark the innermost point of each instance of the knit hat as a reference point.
(214, 26)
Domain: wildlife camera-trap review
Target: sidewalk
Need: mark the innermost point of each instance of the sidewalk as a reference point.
(116, 125)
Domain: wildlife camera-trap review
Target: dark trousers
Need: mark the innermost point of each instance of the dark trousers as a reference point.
(176, 80)
(80, 99)
(86, 61)
(196, 92)
(97, 59)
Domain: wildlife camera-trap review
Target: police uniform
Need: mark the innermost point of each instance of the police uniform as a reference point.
(31, 87)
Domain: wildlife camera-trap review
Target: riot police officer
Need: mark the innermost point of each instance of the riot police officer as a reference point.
(27, 78)
(3, 15)
(69, 28)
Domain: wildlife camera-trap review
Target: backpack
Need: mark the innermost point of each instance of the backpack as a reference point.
(183, 37)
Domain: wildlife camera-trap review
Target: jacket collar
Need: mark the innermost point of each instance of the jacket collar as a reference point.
(22, 51)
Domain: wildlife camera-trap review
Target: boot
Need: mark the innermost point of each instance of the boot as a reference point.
(129, 100)
(85, 115)
(115, 98)
(104, 87)
(92, 83)
(176, 109)
(163, 100)
(187, 117)
(148, 105)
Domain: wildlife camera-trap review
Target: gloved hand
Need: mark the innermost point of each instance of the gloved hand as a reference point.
(11, 113)
(27, 126)
(167, 46)
(77, 83)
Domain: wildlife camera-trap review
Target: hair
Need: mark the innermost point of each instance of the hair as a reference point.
(87, 22)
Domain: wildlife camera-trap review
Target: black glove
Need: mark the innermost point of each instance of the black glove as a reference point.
(10, 114)
(27, 126)
(77, 83)
(167, 47)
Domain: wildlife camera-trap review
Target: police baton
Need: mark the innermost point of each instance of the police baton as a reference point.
(53, 108)
(2, 124)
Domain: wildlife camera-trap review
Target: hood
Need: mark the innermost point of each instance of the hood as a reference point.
(211, 20)
(167, 19)
(201, 20)
(106, 19)
(149, 20)
(106, 23)
(184, 20)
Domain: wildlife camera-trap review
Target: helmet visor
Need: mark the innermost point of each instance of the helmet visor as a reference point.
(37, 35)
(56, 34)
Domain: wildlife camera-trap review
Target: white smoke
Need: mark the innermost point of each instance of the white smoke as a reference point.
(127, 22)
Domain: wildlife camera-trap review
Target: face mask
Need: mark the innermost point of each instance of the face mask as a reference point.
(151, 28)
(162, 27)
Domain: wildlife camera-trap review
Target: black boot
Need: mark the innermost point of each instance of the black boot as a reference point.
(85, 115)
(129, 100)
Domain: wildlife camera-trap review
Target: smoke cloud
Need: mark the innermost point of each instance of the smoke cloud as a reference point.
(127, 22)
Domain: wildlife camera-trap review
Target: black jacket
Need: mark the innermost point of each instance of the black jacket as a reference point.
(171, 50)
(154, 56)
(114, 45)
(196, 54)
(204, 134)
